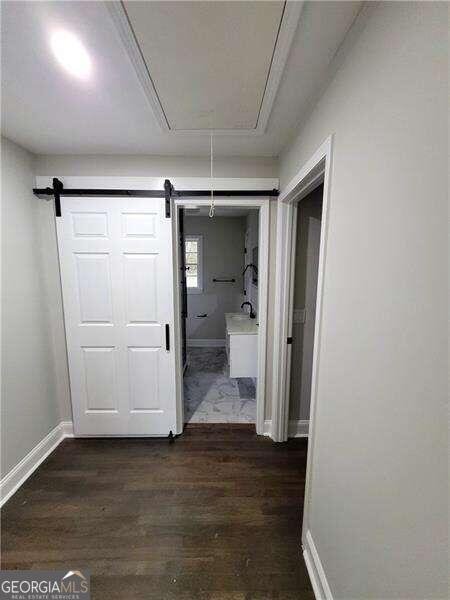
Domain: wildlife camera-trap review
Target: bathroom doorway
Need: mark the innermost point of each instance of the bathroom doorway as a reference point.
(222, 264)
(303, 309)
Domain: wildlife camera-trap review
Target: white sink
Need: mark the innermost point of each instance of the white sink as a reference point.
(242, 344)
(240, 324)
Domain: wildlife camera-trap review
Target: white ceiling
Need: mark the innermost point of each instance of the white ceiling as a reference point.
(212, 73)
(49, 112)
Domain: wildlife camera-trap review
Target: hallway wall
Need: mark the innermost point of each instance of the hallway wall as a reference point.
(30, 404)
(154, 166)
(379, 493)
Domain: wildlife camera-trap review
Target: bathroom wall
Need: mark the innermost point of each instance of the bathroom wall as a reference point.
(252, 242)
(305, 286)
(223, 257)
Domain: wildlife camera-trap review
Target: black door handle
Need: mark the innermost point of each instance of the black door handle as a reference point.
(167, 337)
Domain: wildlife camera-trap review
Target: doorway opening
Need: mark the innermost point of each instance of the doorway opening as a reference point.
(222, 311)
(306, 238)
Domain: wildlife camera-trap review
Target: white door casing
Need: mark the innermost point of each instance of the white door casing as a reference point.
(117, 282)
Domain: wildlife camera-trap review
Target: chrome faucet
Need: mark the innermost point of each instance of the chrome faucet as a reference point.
(252, 312)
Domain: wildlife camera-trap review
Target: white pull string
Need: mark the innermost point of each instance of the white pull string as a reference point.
(212, 207)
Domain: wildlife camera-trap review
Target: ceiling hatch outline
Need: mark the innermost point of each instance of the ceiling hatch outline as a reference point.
(286, 31)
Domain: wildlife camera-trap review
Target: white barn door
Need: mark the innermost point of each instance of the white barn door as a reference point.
(117, 281)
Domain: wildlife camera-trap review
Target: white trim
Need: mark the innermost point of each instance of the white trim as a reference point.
(316, 572)
(309, 173)
(179, 367)
(206, 343)
(12, 481)
(67, 428)
(284, 215)
(267, 428)
(263, 301)
(298, 428)
(286, 33)
(263, 204)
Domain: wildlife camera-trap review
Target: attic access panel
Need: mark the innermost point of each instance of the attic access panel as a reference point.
(208, 66)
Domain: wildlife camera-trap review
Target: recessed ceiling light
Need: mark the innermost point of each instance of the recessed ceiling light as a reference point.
(71, 54)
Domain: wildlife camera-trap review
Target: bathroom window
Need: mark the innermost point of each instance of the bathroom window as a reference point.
(194, 263)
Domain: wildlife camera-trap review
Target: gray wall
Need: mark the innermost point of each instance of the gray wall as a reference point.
(311, 206)
(223, 257)
(379, 505)
(30, 405)
(252, 233)
(154, 166)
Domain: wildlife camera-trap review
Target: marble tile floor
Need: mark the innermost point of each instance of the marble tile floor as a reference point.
(210, 396)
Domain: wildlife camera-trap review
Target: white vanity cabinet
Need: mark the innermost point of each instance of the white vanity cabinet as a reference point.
(242, 345)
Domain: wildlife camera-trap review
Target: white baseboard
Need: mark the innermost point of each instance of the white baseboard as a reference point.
(295, 428)
(316, 573)
(267, 428)
(12, 481)
(205, 343)
(298, 428)
(67, 427)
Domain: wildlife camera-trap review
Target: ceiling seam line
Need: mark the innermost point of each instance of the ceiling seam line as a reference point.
(270, 65)
(145, 64)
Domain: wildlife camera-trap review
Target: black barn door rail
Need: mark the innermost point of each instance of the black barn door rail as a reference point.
(168, 193)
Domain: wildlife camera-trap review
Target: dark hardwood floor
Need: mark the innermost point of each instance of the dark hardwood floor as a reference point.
(216, 515)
